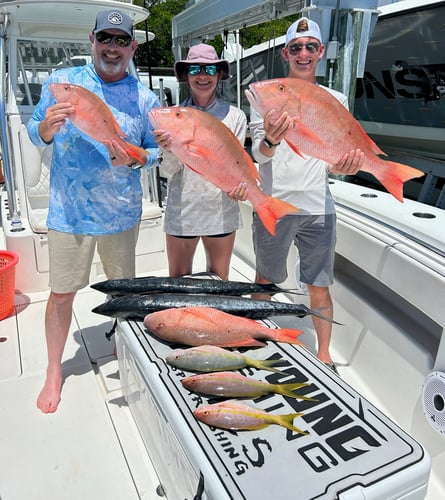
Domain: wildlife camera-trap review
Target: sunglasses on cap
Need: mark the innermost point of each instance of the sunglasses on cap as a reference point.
(120, 40)
(311, 47)
(210, 69)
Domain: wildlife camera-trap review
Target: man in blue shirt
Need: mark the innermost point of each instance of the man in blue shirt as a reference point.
(95, 189)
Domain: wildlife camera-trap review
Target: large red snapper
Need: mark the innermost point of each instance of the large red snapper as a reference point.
(94, 118)
(323, 128)
(194, 326)
(207, 146)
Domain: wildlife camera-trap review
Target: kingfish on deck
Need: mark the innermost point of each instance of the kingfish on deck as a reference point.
(138, 306)
(156, 284)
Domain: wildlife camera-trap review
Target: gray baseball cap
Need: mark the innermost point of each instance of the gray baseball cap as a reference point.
(113, 19)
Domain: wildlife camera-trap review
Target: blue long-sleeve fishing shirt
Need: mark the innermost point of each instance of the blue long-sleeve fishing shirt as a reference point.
(87, 194)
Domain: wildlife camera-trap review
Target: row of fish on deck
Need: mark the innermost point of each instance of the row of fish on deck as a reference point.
(211, 316)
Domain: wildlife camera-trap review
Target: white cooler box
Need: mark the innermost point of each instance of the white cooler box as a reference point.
(352, 451)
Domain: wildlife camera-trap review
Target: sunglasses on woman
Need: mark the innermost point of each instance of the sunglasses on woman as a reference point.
(311, 47)
(210, 69)
(120, 40)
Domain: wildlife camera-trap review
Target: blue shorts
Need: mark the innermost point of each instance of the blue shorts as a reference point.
(313, 235)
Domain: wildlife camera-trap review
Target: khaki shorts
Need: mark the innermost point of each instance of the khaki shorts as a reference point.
(71, 256)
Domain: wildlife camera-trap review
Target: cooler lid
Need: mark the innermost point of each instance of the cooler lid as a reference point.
(349, 443)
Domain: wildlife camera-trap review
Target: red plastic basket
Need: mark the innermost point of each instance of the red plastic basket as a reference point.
(8, 261)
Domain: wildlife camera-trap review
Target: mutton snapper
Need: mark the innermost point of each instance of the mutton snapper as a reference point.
(208, 147)
(235, 385)
(323, 128)
(210, 358)
(94, 118)
(196, 326)
(155, 284)
(238, 416)
(138, 306)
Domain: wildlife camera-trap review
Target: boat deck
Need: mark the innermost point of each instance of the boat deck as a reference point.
(91, 447)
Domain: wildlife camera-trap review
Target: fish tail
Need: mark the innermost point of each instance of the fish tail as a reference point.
(135, 152)
(271, 209)
(318, 314)
(393, 175)
(288, 335)
(288, 422)
(288, 390)
(267, 364)
(293, 291)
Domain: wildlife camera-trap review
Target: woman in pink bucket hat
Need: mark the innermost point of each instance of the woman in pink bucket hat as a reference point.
(212, 215)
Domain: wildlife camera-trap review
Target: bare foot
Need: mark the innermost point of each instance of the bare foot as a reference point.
(49, 396)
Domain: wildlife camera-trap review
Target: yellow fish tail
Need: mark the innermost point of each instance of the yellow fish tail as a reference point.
(288, 390)
(288, 422)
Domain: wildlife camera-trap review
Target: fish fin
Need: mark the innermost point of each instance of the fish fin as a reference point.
(287, 335)
(294, 148)
(365, 137)
(306, 133)
(288, 390)
(393, 175)
(135, 152)
(246, 343)
(272, 209)
(266, 364)
(318, 314)
(199, 152)
(292, 291)
(200, 313)
(288, 422)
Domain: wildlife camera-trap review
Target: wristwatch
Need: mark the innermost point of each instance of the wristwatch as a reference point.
(269, 144)
(135, 165)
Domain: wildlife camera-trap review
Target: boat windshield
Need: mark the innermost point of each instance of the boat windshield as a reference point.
(36, 60)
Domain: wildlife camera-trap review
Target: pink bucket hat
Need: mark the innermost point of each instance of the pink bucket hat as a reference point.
(201, 54)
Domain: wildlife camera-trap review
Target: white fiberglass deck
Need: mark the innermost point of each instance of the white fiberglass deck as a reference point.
(90, 448)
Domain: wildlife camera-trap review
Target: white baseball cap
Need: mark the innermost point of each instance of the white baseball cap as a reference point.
(294, 30)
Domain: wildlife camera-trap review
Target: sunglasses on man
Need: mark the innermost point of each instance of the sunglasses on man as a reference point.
(209, 69)
(120, 40)
(296, 48)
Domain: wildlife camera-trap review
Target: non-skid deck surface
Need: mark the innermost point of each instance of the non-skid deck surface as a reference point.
(89, 448)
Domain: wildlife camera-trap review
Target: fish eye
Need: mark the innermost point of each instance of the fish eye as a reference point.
(281, 88)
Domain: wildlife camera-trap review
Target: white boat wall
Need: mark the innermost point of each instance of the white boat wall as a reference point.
(124, 428)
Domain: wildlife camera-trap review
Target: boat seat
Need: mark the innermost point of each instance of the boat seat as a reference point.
(150, 210)
(36, 166)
